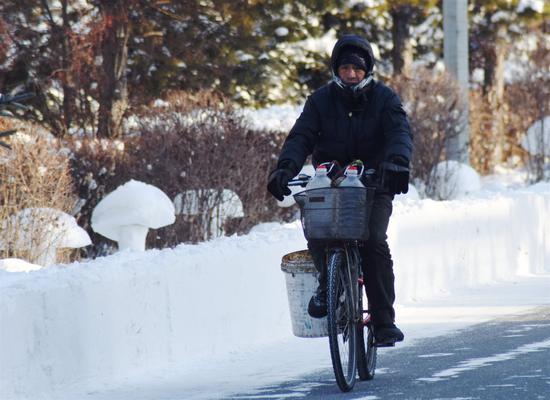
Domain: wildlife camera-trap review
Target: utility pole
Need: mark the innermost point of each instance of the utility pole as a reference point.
(455, 52)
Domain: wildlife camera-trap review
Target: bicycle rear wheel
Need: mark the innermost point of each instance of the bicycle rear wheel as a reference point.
(342, 331)
(366, 352)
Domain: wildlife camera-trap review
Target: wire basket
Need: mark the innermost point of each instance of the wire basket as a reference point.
(336, 213)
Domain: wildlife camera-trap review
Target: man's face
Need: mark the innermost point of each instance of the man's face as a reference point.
(350, 74)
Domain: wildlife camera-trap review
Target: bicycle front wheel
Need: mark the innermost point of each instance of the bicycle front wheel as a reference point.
(342, 331)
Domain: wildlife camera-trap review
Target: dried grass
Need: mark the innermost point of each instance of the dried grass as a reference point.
(33, 175)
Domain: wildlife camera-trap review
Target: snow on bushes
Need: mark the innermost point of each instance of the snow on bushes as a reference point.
(453, 180)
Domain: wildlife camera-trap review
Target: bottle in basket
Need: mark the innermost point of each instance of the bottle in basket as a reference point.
(321, 179)
(352, 178)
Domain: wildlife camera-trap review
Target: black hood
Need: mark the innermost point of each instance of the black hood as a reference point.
(352, 41)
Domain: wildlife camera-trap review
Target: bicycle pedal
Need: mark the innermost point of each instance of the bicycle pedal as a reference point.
(384, 344)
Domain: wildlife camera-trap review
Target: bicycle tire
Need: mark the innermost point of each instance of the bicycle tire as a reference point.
(342, 330)
(366, 352)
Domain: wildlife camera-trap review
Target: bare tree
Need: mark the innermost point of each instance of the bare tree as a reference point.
(113, 100)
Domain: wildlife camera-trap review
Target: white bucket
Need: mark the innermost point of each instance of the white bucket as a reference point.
(301, 282)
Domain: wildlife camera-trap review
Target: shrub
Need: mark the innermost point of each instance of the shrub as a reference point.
(528, 100)
(35, 174)
(191, 146)
(482, 140)
(436, 113)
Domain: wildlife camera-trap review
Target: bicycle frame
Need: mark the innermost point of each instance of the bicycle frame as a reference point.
(353, 270)
(351, 350)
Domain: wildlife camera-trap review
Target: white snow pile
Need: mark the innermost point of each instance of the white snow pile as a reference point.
(535, 5)
(537, 138)
(138, 318)
(226, 202)
(42, 231)
(18, 265)
(412, 194)
(454, 180)
(218, 204)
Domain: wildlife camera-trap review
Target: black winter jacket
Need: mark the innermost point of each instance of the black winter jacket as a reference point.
(373, 129)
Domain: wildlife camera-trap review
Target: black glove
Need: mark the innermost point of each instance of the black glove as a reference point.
(395, 175)
(277, 183)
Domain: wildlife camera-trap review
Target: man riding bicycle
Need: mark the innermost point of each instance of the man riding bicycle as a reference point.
(354, 117)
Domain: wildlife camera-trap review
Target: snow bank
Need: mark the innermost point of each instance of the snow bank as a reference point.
(132, 313)
(136, 314)
(438, 246)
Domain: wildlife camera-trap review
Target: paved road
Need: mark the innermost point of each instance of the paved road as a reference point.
(508, 358)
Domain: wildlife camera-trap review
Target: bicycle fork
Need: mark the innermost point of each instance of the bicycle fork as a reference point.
(354, 269)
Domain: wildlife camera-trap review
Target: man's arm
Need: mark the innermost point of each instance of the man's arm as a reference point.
(394, 168)
(399, 141)
(301, 140)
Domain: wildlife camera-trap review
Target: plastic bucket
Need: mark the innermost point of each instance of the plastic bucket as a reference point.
(301, 282)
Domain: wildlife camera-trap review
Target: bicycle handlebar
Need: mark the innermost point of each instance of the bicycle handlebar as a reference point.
(301, 180)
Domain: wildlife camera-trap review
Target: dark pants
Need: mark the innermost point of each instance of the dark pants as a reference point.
(376, 262)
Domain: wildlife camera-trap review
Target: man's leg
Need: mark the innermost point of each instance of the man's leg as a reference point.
(378, 271)
(317, 307)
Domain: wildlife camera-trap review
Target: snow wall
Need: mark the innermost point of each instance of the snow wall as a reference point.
(136, 314)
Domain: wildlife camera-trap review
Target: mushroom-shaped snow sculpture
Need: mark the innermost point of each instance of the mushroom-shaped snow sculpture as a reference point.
(41, 231)
(126, 214)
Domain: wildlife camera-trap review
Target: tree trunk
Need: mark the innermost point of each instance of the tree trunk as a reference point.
(69, 93)
(493, 87)
(402, 52)
(114, 50)
(495, 55)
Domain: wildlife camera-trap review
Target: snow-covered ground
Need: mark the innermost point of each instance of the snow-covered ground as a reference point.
(208, 320)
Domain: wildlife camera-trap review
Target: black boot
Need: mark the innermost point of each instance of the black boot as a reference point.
(387, 335)
(317, 307)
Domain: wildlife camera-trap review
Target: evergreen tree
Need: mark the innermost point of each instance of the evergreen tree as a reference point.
(47, 54)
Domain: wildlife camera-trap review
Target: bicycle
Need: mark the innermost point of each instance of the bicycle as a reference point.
(339, 218)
